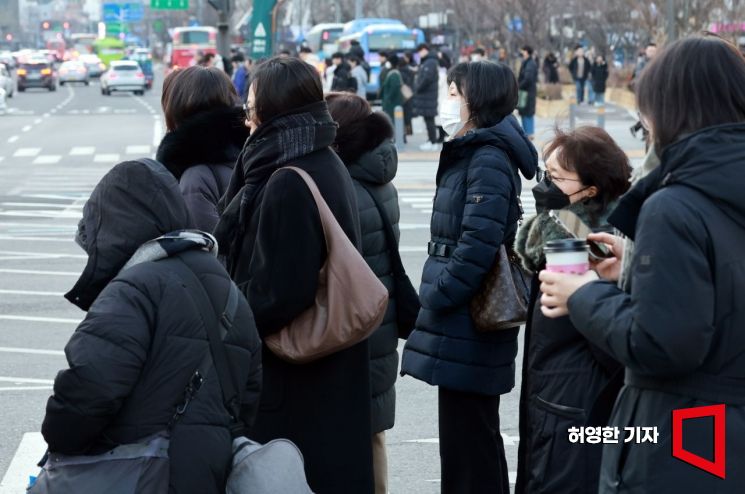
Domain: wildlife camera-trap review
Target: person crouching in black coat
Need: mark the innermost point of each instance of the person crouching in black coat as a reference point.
(134, 353)
(204, 119)
(566, 381)
(364, 143)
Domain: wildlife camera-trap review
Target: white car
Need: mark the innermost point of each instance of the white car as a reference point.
(73, 72)
(123, 75)
(3, 106)
(6, 81)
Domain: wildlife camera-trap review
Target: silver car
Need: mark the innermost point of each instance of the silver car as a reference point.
(123, 75)
(6, 81)
(73, 72)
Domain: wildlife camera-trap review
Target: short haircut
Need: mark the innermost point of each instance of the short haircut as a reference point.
(283, 85)
(479, 51)
(651, 44)
(353, 58)
(528, 49)
(696, 82)
(193, 90)
(593, 155)
(422, 46)
(489, 88)
(238, 57)
(305, 49)
(337, 54)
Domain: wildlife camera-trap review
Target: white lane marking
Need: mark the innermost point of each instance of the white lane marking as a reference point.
(124, 111)
(508, 440)
(42, 255)
(138, 150)
(31, 293)
(412, 249)
(26, 152)
(12, 238)
(417, 200)
(25, 380)
(106, 158)
(31, 351)
(26, 128)
(41, 214)
(46, 226)
(157, 131)
(55, 196)
(46, 115)
(1, 159)
(511, 475)
(24, 462)
(413, 226)
(22, 388)
(37, 121)
(12, 139)
(82, 150)
(56, 320)
(43, 273)
(47, 159)
(40, 204)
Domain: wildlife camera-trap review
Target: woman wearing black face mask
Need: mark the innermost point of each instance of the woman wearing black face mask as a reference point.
(566, 381)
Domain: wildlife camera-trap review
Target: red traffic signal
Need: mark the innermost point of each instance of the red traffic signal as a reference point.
(45, 25)
(8, 37)
(66, 25)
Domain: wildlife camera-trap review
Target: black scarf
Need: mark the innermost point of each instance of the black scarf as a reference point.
(275, 144)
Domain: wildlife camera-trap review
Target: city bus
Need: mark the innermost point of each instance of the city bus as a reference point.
(82, 43)
(390, 38)
(188, 42)
(109, 50)
(322, 39)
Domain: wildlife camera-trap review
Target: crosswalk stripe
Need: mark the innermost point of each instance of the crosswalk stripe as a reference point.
(82, 150)
(106, 158)
(26, 152)
(47, 159)
(138, 150)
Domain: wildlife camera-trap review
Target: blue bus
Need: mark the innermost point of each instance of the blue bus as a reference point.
(391, 38)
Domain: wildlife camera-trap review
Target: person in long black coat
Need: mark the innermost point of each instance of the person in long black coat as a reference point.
(551, 68)
(475, 211)
(566, 381)
(599, 79)
(205, 135)
(134, 353)
(527, 81)
(364, 143)
(678, 331)
(275, 247)
(426, 89)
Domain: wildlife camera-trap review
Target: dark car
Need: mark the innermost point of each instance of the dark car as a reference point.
(36, 73)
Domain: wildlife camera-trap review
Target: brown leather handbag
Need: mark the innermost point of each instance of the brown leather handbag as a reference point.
(350, 300)
(502, 301)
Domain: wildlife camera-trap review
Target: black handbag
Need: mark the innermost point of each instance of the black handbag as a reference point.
(404, 293)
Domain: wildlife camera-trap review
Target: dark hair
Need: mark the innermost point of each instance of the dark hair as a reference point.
(285, 53)
(360, 129)
(528, 49)
(353, 58)
(305, 49)
(489, 88)
(596, 158)
(422, 46)
(284, 84)
(337, 54)
(651, 44)
(193, 90)
(479, 51)
(696, 82)
(238, 57)
(384, 54)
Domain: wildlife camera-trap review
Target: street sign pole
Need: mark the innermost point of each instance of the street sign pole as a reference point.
(262, 29)
(223, 8)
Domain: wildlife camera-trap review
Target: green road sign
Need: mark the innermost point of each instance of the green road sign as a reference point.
(169, 4)
(261, 28)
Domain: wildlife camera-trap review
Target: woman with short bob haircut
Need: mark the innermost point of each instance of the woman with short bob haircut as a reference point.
(679, 328)
(475, 211)
(271, 234)
(205, 135)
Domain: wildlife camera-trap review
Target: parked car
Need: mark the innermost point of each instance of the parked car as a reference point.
(36, 73)
(94, 65)
(6, 80)
(73, 72)
(123, 75)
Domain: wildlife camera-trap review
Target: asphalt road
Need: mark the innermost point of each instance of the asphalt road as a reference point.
(54, 147)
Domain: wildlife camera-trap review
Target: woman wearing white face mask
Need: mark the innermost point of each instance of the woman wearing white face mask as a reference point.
(475, 211)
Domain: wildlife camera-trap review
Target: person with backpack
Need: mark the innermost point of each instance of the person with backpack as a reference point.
(151, 290)
(206, 133)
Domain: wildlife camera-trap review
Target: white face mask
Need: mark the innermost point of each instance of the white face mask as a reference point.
(450, 116)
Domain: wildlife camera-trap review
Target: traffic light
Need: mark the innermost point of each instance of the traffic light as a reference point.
(45, 24)
(8, 37)
(66, 25)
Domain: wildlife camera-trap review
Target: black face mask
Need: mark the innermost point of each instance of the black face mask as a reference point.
(549, 197)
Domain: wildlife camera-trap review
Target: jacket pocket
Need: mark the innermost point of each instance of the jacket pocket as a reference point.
(554, 464)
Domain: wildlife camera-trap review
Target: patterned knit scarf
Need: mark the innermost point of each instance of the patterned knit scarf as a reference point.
(171, 244)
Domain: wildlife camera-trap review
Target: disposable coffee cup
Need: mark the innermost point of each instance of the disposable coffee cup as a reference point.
(567, 256)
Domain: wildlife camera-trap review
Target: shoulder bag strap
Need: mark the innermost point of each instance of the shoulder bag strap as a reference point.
(216, 332)
(390, 235)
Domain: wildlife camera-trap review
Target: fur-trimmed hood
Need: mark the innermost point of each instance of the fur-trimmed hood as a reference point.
(354, 140)
(207, 138)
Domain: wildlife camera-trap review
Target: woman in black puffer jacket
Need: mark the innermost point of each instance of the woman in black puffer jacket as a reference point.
(475, 212)
(133, 354)
(363, 142)
(205, 135)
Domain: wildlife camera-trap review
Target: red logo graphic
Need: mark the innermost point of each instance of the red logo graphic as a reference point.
(717, 467)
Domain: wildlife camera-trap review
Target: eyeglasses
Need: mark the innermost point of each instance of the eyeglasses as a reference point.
(545, 174)
(248, 110)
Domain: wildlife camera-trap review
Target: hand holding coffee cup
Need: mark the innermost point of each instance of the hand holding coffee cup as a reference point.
(567, 256)
(557, 287)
